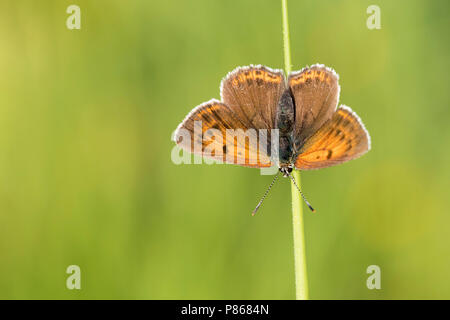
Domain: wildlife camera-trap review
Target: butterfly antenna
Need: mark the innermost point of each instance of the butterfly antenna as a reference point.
(306, 201)
(265, 194)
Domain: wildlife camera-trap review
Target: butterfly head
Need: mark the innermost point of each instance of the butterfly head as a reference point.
(285, 171)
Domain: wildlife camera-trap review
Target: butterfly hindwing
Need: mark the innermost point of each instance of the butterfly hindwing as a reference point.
(316, 93)
(340, 139)
(213, 131)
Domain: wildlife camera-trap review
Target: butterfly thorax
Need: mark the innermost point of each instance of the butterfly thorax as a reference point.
(285, 119)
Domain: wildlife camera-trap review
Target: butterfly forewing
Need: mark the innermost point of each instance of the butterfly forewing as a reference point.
(252, 93)
(316, 94)
(340, 139)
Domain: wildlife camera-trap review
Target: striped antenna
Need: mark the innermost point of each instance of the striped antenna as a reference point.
(265, 194)
(306, 201)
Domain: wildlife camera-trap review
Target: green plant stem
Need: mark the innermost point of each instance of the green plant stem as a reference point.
(301, 279)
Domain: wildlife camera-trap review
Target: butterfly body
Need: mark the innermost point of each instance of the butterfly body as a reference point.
(260, 106)
(285, 118)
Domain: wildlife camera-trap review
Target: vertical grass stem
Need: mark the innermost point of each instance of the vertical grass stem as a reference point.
(301, 279)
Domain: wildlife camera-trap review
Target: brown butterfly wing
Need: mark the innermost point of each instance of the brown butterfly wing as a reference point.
(316, 94)
(341, 139)
(204, 132)
(250, 98)
(252, 93)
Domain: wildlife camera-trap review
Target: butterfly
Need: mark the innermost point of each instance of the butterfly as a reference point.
(260, 106)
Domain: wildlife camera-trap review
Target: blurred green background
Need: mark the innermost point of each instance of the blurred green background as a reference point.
(86, 177)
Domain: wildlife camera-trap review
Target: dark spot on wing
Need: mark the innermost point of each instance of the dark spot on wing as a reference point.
(330, 153)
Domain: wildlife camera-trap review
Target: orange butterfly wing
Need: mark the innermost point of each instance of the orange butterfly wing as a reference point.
(249, 103)
(316, 93)
(210, 139)
(340, 139)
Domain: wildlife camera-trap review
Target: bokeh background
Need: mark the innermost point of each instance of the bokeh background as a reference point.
(86, 176)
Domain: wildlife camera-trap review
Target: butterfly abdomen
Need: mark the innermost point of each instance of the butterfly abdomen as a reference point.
(285, 151)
